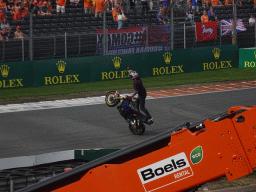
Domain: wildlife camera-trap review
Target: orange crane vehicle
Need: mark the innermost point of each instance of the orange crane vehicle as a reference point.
(223, 145)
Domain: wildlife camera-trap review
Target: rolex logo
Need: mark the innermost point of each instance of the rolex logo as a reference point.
(4, 70)
(167, 57)
(255, 54)
(117, 62)
(216, 53)
(61, 66)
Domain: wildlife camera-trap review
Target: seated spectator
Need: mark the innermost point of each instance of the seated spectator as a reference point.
(10, 33)
(24, 10)
(5, 24)
(254, 4)
(210, 13)
(44, 9)
(160, 18)
(228, 2)
(50, 11)
(216, 2)
(18, 34)
(211, 17)
(99, 7)
(195, 5)
(10, 5)
(4, 35)
(3, 9)
(120, 19)
(252, 20)
(190, 14)
(60, 6)
(204, 17)
(206, 3)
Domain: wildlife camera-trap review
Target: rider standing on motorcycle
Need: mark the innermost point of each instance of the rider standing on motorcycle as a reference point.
(142, 94)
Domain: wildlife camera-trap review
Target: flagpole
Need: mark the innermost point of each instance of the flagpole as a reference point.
(234, 22)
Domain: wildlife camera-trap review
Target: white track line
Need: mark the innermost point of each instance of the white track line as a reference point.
(79, 102)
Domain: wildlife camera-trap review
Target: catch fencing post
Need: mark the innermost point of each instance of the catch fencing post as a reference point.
(234, 23)
(54, 48)
(31, 34)
(22, 44)
(172, 30)
(146, 36)
(3, 50)
(79, 46)
(66, 55)
(11, 185)
(184, 35)
(255, 34)
(104, 32)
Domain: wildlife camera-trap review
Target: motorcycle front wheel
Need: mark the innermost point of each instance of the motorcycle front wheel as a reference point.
(111, 100)
(136, 126)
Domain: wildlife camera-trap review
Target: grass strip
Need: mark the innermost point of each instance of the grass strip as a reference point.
(232, 74)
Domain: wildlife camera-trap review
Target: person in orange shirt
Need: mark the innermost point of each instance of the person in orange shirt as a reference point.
(61, 6)
(99, 7)
(3, 9)
(87, 6)
(24, 10)
(216, 3)
(115, 14)
(204, 17)
(229, 2)
(206, 3)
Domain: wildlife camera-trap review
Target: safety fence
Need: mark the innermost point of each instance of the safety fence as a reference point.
(113, 67)
(79, 34)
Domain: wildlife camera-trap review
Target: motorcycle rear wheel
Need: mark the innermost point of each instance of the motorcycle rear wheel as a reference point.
(136, 126)
(110, 99)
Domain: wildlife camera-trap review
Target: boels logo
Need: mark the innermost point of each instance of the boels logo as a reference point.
(217, 64)
(168, 70)
(196, 155)
(165, 172)
(61, 79)
(250, 63)
(115, 74)
(5, 69)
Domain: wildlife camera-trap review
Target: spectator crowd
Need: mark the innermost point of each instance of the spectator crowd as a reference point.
(17, 10)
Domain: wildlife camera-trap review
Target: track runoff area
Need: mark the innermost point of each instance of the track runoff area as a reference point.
(88, 123)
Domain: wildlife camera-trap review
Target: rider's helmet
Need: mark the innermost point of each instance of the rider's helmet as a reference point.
(133, 75)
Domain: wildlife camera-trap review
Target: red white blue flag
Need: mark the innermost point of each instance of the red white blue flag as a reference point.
(227, 26)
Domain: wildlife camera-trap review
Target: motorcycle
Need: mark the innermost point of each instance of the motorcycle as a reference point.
(128, 109)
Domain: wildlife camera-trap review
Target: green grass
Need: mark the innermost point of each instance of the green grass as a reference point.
(158, 81)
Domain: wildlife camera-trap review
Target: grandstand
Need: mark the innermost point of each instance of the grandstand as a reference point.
(80, 29)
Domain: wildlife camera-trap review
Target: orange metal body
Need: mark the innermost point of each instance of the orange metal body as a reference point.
(228, 148)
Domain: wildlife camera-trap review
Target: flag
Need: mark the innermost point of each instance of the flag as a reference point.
(227, 26)
(206, 31)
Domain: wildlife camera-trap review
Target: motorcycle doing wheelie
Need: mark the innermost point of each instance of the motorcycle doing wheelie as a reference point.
(128, 109)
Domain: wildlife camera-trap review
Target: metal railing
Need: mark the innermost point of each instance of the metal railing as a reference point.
(78, 41)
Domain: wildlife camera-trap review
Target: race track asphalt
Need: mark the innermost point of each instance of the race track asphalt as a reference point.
(99, 126)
